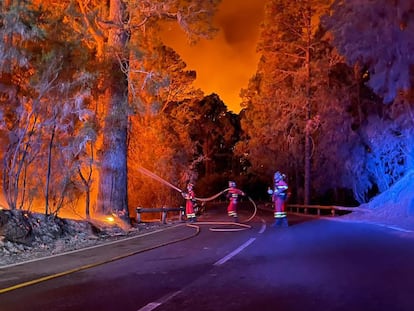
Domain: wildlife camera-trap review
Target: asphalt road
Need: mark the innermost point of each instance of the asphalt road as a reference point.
(315, 264)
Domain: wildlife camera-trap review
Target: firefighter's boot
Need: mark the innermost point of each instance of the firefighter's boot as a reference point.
(277, 223)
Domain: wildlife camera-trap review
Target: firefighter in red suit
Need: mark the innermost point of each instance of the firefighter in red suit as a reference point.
(189, 196)
(279, 196)
(233, 195)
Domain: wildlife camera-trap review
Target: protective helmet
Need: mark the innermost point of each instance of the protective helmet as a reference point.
(278, 176)
(190, 186)
(232, 184)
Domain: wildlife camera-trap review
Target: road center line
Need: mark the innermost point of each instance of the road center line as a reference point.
(234, 253)
(153, 305)
(263, 228)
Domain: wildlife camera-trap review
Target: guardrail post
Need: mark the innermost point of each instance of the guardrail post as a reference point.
(138, 215)
(164, 216)
(163, 210)
(180, 212)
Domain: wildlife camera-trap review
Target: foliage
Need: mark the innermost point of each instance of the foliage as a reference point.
(283, 102)
(19, 29)
(119, 34)
(161, 147)
(63, 116)
(385, 156)
(46, 109)
(215, 130)
(176, 145)
(377, 35)
(279, 102)
(159, 135)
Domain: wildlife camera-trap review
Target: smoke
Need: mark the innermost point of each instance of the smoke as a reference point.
(224, 64)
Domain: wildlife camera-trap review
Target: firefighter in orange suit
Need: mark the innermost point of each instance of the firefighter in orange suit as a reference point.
(233, 195)
(279, 196)
(189, 196)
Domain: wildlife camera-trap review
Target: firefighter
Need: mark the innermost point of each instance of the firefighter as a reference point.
(189, 196)
(233, 196)
(279, 196)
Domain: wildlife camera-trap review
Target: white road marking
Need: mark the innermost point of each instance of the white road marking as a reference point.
(234, 253)
(263, 228)
(85, 248)
(153, 305)
(395, 228)
(358, 221)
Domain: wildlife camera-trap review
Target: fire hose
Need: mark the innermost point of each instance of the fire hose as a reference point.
(241, 226)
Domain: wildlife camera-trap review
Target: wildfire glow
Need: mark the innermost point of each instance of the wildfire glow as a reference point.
(231, 53)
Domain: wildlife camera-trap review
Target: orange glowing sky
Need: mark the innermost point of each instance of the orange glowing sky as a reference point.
(225, 64)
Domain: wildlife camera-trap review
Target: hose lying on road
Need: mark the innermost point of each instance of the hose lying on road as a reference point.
(234, 226)
(242, 226)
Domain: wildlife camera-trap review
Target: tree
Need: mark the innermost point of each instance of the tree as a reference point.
(283, 89)
(109, 27)
(44, 107)
(215, 130)
(158, 140)
(14, 63)
(376, 36)
(114, 35)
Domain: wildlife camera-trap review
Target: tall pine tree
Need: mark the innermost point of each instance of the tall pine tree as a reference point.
(279, 118)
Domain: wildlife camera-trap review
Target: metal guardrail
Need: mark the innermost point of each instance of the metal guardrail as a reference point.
(295, 208)
(163, 210)
(305, 209)
(333, 210)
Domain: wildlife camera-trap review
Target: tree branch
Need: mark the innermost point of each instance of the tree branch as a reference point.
(97, 36)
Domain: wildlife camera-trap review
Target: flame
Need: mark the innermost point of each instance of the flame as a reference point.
(110, 219)
(114, 220)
